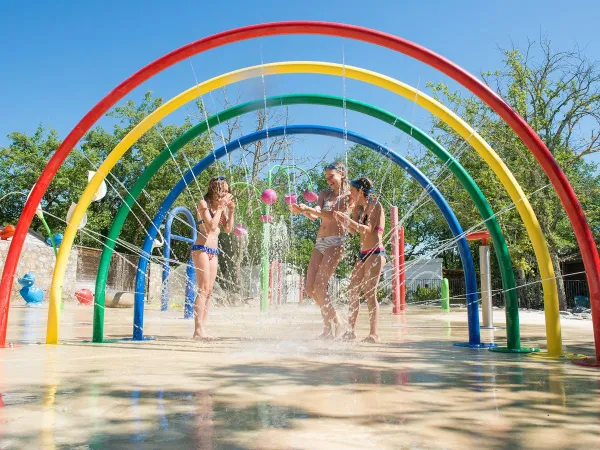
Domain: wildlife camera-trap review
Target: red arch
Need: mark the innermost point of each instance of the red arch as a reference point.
(517, 123)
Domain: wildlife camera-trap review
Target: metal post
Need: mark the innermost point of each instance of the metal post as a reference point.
(486, 285)
(264, 264)
(190, 290)
(445, 295)
(395, 262)
(402, 276)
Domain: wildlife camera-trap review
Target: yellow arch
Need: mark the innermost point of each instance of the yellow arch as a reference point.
(509, 182)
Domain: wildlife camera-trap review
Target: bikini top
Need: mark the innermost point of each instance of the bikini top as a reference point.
(222, 221)
(363, 218)
(328, 205)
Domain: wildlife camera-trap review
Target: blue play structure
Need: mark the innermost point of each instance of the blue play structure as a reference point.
(190, 278)
(32, 294)
(57, 239)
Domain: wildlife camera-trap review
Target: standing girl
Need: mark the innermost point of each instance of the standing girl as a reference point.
(368, 220)
(214, 211)
(329, 247)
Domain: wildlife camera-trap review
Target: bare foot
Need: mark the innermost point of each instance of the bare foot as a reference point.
(326, 335)
(349, 336)
(372, 339)
(340, 330)
(202, 337)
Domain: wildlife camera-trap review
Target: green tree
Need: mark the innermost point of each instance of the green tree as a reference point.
(558, 93)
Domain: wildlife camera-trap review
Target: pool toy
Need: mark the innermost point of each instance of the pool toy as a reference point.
(7, 232)
(32, 294)
(85, 296)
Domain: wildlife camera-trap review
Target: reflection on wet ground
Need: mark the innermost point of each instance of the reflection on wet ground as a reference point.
(266, 384)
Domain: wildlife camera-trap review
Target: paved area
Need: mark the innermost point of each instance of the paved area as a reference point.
(267, 384)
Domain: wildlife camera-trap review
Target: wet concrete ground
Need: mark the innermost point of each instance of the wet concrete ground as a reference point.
(267, 384)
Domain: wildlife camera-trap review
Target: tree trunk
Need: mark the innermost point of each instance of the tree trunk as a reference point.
(524, 299)
(562, 296)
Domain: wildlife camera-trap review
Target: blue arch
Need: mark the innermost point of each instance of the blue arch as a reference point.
(434, 193)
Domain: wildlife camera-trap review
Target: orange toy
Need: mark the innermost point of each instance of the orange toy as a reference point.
(7, 232)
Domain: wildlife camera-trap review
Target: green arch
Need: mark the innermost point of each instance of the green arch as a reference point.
(484, 208)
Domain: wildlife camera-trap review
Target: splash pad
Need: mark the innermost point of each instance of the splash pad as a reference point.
(532, 141)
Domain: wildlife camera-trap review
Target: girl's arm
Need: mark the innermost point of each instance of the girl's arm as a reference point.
(354, 227)
(307, 211)
(379, 224)
(318, 212)
(348, 223)
(210, 223)
(230, 219)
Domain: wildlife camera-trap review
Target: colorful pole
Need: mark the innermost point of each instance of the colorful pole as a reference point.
(395, 262)
(190, 290)
(402, 272)
(264, 263)
(486, 285)
(271, 271)
(485, 276)
(279, 283)
(301, 285)
(445, 295)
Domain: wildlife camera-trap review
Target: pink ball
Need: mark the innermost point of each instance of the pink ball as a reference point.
(269, 196)
(290, 199)
(84, 296)
(240, 230)
(310, 196)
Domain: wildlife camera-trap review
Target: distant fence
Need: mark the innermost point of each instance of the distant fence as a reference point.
(428, 290)
(530, 295)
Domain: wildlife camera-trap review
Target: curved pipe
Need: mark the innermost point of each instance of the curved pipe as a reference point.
(462, 128)
(167, 250)
(436, 196)
(534, 143)
(485, 210)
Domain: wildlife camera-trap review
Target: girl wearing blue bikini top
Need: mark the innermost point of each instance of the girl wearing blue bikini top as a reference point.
(214, 211)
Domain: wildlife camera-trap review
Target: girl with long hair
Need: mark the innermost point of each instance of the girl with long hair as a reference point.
(368, 220)
(214, 211)
(329, 246)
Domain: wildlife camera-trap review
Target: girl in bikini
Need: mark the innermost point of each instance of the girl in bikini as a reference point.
(368, 220)
(329, 247)
(214, 211)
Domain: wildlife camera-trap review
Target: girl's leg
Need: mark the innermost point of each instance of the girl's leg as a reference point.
(213, 267)
(202, 268)
(331, 259)
(354, 291)
(373, 266)
(311, 274)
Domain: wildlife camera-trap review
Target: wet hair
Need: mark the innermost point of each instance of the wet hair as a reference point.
(364, 185)
(216, 187)
(341, 168)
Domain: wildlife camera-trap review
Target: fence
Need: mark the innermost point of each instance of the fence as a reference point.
(428, 290)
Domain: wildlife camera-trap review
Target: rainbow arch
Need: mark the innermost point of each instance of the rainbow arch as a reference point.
(550, 166)
(552, 318)
(416, 174)
(485, 210)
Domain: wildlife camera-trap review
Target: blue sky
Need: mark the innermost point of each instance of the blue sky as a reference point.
(60, 58)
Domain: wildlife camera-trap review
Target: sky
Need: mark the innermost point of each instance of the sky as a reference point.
(57, 59)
